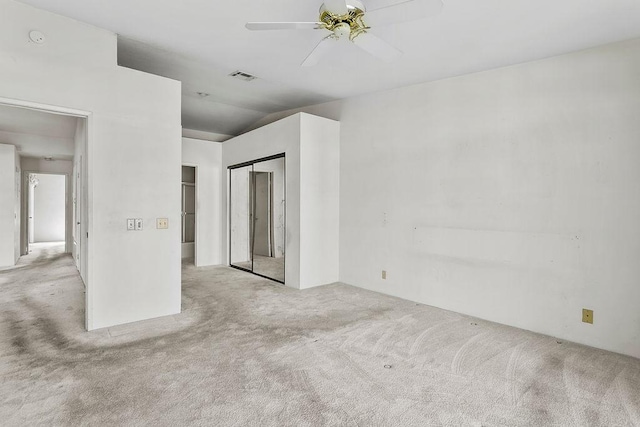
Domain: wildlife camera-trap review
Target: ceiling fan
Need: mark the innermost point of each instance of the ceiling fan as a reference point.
(350, 20)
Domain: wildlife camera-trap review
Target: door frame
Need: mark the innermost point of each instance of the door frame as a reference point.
(85, 270)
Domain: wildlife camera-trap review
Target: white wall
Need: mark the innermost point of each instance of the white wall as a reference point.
(206, 156)
(133, 158)
(9, 209)
(511, 194)
(49, 208)
(312, 204)
(320, 178)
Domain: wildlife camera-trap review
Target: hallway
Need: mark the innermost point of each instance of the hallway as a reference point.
(247, 352)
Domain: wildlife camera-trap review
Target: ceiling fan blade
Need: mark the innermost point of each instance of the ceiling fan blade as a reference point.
(377, 47)
(338, 7)
(257, 26)
(402, 11)
(325, 45)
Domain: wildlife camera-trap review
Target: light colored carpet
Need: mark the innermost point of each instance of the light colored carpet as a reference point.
(247, 351)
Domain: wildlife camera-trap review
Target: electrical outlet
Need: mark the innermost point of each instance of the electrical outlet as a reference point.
(138, 223)
(162, 223)
(384, 274)
(587, 316)
(131, 224)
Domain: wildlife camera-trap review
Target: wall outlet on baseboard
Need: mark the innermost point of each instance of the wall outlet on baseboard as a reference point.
(384, 274)
(587, 316)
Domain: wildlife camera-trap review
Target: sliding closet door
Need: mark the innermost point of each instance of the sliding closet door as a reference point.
(257, 217)
(267, 238)
(239, 217)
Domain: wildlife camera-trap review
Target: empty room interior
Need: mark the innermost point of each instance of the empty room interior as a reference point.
(308, 213)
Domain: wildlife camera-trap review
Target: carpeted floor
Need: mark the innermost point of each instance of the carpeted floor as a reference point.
(247, 351)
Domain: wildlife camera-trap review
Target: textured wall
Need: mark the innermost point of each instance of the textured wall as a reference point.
(132, 159)
(510, 194)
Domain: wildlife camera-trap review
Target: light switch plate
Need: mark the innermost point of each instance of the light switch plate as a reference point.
(162, 223)
(138, 223)
(131, 224)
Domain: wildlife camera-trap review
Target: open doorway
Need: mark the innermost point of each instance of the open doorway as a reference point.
(188, 214)
(47, 147)
(46, 196)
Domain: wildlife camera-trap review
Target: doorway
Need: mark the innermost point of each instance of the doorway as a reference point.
(51, 145)
(47, 197)
(188, 213)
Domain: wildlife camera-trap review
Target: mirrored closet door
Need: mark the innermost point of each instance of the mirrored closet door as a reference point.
(257, 217)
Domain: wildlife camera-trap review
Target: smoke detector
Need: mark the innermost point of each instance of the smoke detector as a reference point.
(37, 37)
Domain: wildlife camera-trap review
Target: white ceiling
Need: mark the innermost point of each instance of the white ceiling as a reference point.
(25, 120)
(37, 133)
(231, 104)
(200, 42)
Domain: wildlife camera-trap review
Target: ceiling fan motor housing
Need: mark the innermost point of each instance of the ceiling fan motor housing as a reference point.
(349, 25)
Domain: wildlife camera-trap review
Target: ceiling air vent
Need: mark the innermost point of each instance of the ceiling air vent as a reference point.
(243, 76)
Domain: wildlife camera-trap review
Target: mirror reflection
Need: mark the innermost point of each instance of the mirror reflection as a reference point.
(267, 208)
(240, 256)
(257, 218)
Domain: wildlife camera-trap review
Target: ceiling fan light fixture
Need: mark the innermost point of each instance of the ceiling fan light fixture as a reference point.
(351, 24)
(349, 20)
(342, 30)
